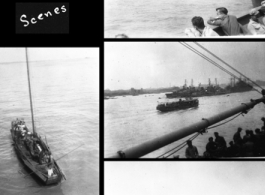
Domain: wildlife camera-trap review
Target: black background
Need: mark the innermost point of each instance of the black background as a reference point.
(85, 25)
(54, 23)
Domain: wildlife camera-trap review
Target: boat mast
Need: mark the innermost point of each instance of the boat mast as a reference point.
(31, 106)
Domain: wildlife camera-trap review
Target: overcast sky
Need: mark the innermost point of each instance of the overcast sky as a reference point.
(161, 64)
(39, 54)
(189, 178)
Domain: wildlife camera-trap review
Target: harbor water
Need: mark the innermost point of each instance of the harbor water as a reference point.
(164, 18)
(66, 108)
(132, 120)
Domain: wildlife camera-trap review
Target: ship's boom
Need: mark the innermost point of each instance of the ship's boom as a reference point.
(152, 145)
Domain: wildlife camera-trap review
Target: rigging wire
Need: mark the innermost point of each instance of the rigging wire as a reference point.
(228, 65)
(182, 145)
(213, 62)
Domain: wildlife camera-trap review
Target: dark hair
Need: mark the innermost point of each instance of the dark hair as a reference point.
(216, 133)
(210, 138)
(222, 10)
(255, 18)
(239, 129)
(189, 142)
(198, 22)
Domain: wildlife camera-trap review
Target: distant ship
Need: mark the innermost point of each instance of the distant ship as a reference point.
(177, 105)
(211, 90)
(240, 86)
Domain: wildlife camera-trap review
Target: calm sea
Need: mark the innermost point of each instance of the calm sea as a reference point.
(132, 120)
(163, 18)
(66, 106)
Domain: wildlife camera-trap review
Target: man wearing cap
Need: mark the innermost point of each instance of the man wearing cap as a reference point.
(255, 26)
(199, 29)
(229, 23)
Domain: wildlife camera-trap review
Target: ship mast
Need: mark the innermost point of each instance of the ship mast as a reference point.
(31, 106)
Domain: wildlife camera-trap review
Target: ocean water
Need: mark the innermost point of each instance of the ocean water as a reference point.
(66, 108)
(164, 18)
(132, 120)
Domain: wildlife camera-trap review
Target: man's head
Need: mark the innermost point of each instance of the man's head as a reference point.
(221, 11)
(210, 139)
(254, 14)
(198, 22)
(239, 129)
(216, 134)
(257, 131)
(189, 143)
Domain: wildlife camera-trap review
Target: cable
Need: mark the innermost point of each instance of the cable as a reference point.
(211, 61)
(224, 122)
(228, 65)
(182, 145)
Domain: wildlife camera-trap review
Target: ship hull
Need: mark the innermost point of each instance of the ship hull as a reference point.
(177, 105)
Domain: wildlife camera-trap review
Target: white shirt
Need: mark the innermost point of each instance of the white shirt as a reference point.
(207, 32)
(256, 28)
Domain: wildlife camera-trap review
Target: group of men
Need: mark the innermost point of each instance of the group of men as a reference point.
(229, 24)
(212, 148)
(252, 144)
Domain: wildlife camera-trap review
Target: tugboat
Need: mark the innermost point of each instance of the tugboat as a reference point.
(33, 151)
(178, 105)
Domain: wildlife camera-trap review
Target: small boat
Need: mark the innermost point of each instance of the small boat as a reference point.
(35, 153)
(177, 105)
(32, 150)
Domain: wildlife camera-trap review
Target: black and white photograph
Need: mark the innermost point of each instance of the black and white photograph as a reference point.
(186, 100)
(189, 178)
(184, 19)
(49, 107)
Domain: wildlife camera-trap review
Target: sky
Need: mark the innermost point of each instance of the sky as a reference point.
(189, 178)
(165, 64)
(39, 54)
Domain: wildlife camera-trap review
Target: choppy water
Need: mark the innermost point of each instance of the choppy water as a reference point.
(132, 120)
(66, 105)
(164, 18)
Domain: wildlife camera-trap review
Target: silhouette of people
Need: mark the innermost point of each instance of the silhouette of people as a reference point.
(237, 137)
(191, 151)
(211, 148)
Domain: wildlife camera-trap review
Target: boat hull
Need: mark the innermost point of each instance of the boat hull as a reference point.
(166, 107)
(35, 167)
